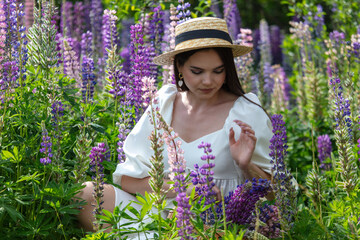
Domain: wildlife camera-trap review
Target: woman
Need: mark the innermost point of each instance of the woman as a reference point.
(207, 104)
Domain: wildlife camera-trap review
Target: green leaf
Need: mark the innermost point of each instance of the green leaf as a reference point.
(7, 155)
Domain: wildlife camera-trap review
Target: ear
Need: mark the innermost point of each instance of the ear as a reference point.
(179, 68)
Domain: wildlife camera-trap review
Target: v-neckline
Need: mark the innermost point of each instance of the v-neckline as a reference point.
(206, 135)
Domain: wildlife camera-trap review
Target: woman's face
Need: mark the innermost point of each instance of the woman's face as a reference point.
(204, 73)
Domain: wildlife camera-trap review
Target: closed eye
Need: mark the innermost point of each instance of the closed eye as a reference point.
(196, 71)
(218, 71)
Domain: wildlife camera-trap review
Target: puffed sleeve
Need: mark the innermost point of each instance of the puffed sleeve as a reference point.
(256, 117)
(137, 146)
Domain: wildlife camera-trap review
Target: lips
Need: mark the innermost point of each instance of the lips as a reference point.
(206, 90)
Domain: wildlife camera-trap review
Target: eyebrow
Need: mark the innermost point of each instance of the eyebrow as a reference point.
(202, 69)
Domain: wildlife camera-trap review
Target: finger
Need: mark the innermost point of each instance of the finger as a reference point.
(240, 123)
(252, 136)
(247, 130)
(232, 136)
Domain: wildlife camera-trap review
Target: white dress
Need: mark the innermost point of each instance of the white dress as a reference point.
(227, 175)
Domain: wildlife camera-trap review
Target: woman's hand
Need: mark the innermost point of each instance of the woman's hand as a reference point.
(215, 189)
(242, 149)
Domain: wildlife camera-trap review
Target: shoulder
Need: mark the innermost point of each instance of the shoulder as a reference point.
(250, 112)
(166, 95)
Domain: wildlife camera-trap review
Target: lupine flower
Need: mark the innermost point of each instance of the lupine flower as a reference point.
(96, 20)
(86, 44)
(337, 36)
(355, 46)
(284, 189)
(243, 200)
(57, 111)
(203, 176)
(126, 63)
(215, 9)
(123, 132)
(88, 79)
(342, 106)
(79, 20)
(29, 13)
(125, 33)
(268, 72)
(324, 150)
(154, 33)
(149, 90)
(109, 32)
(270, 224)
(177, 174)
(232, 17)
(281, 90)
(276, 39)
(168, 73)
(265, 46)
(183, 11)
(244, 64)
(66, 19)
(319, 20)
(359, 142)
(140, 67)
(71, 64)
(45, 146)
(346, 164)
(97, 157)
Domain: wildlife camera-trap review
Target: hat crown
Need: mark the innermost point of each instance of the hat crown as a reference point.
(202, 23)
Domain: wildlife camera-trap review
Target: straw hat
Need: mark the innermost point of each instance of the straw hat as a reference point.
(202, 32)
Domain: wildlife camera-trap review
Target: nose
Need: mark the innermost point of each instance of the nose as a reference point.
(207, 79)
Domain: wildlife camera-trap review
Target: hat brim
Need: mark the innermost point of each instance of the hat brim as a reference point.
(168, 58)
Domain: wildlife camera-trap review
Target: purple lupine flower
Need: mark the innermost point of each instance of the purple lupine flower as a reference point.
(319, 20)
(242, 202)
(86, 44)
(79, 21)
(324, 150)
(66, 19)
(232, 17)
(284, 189)
(96, 20)
(359, 142)
(342, 107)
(123, 132)
(45, 146)
(337, 36)
(276, 38)
(203, 176)
(215, 9)
(57, 111)
(140, 65)
(281, 91)
(154, 34)
(270, 223)
(126, 63)
(125, 33)
(183, 11)
(268, 79)
(177, 174)
(97, 156)
(88, 79)
(109, 32)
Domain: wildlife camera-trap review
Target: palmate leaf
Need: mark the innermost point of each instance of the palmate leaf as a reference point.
(11, 211)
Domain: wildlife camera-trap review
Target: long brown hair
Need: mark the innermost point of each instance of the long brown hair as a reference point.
(232, 83)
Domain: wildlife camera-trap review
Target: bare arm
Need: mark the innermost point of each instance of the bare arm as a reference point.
(141, 185)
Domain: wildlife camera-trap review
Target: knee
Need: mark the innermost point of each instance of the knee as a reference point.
(86, 193)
